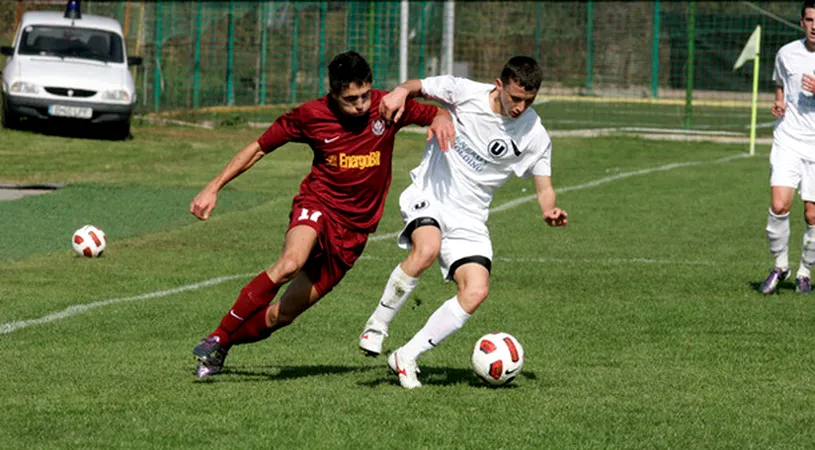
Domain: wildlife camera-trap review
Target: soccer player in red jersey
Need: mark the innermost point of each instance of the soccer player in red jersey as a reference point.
(340, 201)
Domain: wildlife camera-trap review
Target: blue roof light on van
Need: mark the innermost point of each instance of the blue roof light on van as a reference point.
(72, 10)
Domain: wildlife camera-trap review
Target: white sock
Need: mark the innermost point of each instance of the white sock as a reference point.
(396, 293)
(807, 252)
(445, 321)
(778, 236)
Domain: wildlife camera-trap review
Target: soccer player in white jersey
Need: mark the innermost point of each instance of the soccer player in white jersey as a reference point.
(445, 209)
(792, 158)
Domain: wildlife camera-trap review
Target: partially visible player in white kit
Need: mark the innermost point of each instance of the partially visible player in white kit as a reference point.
(445, 209)
(792, 158)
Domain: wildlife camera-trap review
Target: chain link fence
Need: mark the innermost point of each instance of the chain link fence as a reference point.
(605, 63)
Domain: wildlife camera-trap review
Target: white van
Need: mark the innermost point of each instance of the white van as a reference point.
(69, 66)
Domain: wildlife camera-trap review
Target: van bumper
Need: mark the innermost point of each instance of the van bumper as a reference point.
(38, 108)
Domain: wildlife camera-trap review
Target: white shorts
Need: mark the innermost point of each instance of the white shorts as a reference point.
(788, 169)
(463, 238)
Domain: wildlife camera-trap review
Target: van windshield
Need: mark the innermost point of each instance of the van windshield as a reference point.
(85, 43)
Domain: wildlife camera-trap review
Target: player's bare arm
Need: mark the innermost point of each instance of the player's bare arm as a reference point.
(808, 82)
(779, 106)
(552, 215)
(392, 104)
(442, 127)
(203, 203)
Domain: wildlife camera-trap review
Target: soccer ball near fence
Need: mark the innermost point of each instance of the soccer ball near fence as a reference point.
(89, 241)
(497, 358)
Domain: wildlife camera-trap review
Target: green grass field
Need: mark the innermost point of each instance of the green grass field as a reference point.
(641, 322)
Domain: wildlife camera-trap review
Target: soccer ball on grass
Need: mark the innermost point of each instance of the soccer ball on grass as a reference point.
(497, 358)
(89, 241)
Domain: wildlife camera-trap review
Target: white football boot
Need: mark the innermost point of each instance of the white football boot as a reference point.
(405, 369)
(370, 341)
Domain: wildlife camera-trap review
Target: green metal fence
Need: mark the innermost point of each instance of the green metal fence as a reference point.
(666, 64)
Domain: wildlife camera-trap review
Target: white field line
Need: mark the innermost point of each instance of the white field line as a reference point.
(619, 176)
(9, 327)
(74, 310)
(603, 261)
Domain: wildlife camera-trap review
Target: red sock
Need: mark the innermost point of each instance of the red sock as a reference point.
(252, 330)
(255, 296)
(223, 338)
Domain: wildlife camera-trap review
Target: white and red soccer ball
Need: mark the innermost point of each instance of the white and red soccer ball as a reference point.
(497, 358)
(89, 241)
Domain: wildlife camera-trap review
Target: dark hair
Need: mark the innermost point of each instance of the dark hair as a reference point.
(807, 4)
(523, 70)
(346, 69)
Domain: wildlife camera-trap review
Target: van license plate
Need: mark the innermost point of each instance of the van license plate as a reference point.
(78, 112)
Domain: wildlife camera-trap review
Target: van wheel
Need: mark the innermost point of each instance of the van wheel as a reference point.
(120, 131)
(9, 119)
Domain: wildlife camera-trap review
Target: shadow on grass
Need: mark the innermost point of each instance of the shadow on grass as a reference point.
(445, 376)
(243, 374)
(430, 376)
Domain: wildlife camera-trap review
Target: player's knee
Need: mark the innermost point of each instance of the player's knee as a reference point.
(779, 207)
(473, 294)
(284, 269)
(423, 255)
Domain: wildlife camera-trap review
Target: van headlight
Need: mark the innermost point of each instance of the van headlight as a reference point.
(22, 87)
(117, 95)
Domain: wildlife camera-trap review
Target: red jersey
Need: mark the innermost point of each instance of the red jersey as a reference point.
(351, 170)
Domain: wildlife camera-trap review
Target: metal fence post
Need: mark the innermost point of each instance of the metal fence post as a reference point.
(264, 23)
(321, 55)
(196, 78)
(655, 53)
(230, 55)
(589, 46)
(690, 71)
(538, 30)
(157, 68)
(294, 46)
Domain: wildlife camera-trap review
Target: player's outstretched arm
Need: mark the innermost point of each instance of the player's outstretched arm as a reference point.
(552, 215)
(779, 106)
(203, 203)
(392, 104)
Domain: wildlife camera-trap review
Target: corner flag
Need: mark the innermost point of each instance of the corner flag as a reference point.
(751, 51)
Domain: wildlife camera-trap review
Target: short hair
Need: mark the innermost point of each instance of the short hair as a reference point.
(346, 69)
(807, 4)
(525, 71)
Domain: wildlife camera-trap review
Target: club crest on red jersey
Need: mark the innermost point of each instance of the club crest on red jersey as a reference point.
(378, 127)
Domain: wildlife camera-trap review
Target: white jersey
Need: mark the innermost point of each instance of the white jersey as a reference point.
(795, 131)
(489, 148)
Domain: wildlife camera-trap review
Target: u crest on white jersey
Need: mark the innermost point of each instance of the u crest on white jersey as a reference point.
(497, 147)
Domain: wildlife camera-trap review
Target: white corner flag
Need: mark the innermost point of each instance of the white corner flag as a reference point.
(751, 51)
